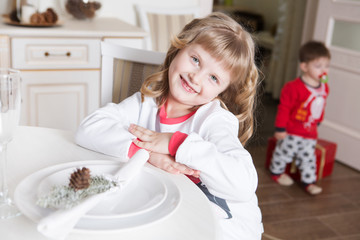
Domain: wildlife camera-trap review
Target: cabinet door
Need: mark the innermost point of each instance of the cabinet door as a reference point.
(59, 99)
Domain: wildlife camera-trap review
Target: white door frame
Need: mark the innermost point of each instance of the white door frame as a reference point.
(342, 114)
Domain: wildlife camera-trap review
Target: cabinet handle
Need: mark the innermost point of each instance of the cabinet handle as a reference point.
(47, 54)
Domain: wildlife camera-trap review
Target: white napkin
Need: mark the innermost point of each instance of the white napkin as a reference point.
(57, 225)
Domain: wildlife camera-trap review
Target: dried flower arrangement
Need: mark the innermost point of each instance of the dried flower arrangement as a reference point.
(82, 9)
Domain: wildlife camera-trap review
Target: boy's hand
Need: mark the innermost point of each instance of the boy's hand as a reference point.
(280, 135)
(168, 164)
(150, 140)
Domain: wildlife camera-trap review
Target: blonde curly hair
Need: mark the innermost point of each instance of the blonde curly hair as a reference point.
(228, 42)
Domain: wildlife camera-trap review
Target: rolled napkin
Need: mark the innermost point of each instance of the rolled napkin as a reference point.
(58, 224)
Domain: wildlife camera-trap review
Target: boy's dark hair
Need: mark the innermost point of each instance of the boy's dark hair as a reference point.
(313, 50)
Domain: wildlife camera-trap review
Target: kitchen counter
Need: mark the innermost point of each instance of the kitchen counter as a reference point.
(60, 66)
(98, 27)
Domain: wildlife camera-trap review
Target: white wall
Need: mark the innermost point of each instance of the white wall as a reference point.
(5, 6)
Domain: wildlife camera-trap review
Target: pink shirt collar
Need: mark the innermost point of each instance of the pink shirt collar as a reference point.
(165, 120)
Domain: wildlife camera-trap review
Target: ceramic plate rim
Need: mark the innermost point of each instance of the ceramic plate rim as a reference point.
(35, 216)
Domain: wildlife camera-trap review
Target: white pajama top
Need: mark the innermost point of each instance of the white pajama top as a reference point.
(227, 172)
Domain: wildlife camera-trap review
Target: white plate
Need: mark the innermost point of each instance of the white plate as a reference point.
(26, 196)
(142, 194)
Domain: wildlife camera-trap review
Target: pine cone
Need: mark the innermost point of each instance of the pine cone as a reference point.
(80, 179)
(50, 16)
(37, 18)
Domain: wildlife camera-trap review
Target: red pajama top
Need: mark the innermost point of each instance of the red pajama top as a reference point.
(301, 108)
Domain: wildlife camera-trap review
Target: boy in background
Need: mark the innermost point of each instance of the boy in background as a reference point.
(301, 109)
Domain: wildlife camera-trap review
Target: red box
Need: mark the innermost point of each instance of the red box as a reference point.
(325, 158)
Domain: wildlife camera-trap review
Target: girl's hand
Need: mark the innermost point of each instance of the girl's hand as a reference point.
(280, 135)
(168, 164)
(150, 140)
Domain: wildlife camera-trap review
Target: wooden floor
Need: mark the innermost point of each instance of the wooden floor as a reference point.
(289, 213)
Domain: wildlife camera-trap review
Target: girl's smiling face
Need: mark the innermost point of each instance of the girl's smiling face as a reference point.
(195, 77)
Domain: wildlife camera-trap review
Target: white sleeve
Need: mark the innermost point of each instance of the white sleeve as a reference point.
(106, 129)
(226, 168)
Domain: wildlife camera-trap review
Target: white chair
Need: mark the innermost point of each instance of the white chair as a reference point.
(124, 69)
(163, 23)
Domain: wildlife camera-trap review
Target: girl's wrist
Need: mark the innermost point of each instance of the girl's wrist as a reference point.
(133, 149)
(176, 140)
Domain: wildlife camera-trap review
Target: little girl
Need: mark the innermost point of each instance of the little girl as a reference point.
(184, 115)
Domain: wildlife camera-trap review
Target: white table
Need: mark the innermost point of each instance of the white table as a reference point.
(35, 148)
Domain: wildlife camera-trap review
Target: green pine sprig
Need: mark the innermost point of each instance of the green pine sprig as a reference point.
(65, 197)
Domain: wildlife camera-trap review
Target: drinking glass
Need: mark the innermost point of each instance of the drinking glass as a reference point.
(10, 101)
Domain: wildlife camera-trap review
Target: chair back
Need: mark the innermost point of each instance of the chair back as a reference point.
(163, 23)
(124, 69)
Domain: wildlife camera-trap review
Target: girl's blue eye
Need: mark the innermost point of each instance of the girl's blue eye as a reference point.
(214, 78)
(196, 60)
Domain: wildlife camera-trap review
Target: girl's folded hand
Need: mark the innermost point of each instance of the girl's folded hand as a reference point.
(151, 140)
(168, 164)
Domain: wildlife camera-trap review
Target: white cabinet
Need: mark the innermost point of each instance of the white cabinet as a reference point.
(55, 53)
(60, 80)
(60, 68)
(59, 99)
